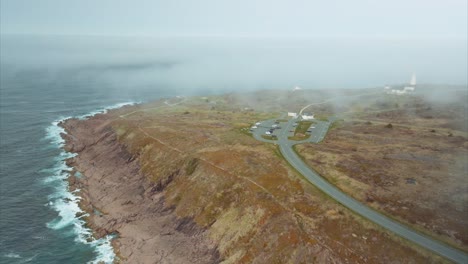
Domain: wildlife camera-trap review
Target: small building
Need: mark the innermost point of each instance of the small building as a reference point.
(406, 90)
(397, 92)
(297, 88)
(307, 116)
(293, 115)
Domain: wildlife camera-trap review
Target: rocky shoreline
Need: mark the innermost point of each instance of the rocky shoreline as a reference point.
(121, 201)
(175, 186)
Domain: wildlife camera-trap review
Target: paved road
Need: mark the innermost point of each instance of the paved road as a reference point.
(286, 147)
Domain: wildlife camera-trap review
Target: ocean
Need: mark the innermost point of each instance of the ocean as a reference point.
(37, 213)
(46, 79)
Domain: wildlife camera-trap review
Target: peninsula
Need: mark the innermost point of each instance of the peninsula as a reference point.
(187, 180)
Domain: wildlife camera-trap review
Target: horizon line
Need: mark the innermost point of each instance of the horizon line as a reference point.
(252, 36)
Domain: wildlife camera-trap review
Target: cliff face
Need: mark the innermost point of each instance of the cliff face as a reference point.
(185, 186)
(121, 200)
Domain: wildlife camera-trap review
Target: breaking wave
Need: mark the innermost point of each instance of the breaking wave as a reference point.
(70, 216)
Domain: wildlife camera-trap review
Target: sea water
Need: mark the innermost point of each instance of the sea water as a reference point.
(38, 214)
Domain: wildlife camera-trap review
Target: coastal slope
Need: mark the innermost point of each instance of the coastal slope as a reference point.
(183, 182)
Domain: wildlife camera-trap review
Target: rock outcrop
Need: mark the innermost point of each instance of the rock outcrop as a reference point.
(122, 201)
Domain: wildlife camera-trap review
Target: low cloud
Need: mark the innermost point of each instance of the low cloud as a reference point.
(193, 65)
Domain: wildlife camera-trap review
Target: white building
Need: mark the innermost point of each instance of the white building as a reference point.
(397, 92)
(293, 115)
(297, 88)
(406, 90)
(307, 117)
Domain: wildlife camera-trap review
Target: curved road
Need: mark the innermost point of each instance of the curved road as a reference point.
(286, 148)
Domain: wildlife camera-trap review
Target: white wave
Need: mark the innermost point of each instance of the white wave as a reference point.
(65, 202)
(104, 250)
(60, 171)
(29, 259)
(39, 237)
(12, 255)
(104, 110)
(53, 132)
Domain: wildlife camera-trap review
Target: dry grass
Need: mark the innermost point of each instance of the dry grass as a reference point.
(375, 164)
(254, 206)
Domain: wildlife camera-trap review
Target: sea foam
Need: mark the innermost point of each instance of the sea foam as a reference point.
(104, 110)
(65, 202)
(12, 255)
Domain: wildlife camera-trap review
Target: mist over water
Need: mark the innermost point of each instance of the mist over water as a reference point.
(140, 65)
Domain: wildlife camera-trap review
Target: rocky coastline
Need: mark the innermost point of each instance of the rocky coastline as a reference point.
(186, 185)
(121, 201)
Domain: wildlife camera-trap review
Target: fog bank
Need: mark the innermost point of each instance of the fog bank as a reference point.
(190, 65)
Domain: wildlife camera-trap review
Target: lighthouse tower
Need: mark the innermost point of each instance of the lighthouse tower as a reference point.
(412, 85)
(413, 80)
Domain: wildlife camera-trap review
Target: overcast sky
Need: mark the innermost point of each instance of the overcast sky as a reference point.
(427, 18)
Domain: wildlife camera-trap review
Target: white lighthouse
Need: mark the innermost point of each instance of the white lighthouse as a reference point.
(413, 80)
(406, 90)
(412, 85)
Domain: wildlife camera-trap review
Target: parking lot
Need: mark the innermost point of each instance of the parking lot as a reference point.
(283, 129)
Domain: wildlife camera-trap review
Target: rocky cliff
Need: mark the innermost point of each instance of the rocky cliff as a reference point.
(186, 184)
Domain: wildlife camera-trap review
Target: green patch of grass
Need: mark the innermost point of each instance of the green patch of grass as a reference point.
(321, 118)
(298, 138)
(192, 165)
(294, 148)
(246, 131)
(282, 120)
(278, 153)
(269, 137)
(302, 127)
